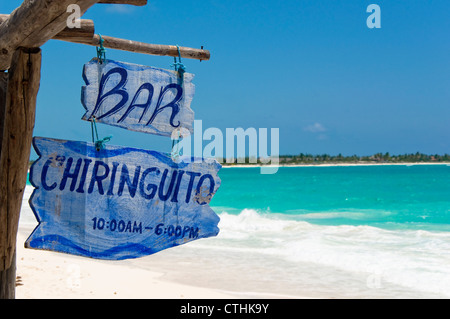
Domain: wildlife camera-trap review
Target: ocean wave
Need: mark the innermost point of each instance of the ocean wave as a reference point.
(289, 245)
(416, 259)
(360, 214)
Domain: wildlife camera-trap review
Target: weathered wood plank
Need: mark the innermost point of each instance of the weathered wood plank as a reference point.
(119, 202)
(138, 98)
(34, 23)
(8, 281)
(153, 49)
(3, 90)
(141, 47)
(85, 31)
(23, 86)
(7, 276)
(86, 35)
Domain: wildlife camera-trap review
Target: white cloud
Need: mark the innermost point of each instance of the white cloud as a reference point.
(315, 128)
(119, 8)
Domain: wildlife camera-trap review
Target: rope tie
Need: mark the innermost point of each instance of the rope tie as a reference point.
(176, 152)
(101, 52)
(179, 67)
(99, 144)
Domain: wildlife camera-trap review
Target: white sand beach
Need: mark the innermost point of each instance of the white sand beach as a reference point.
(192, 271)
(46, 274)
(256, 255)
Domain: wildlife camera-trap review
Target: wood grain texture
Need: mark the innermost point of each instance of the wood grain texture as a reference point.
(3, 90)
(141, 47)
(23, 86)
(7, 276)
(85, 31)
(8, 281)
(138, 98)
(86, 35)
(119, 202)
(152, 49)
(33, 24)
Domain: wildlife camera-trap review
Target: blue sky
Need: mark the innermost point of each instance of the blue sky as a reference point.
(311, 68)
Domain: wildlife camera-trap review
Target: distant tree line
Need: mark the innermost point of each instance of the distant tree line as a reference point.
(336, 159)
(355, 159)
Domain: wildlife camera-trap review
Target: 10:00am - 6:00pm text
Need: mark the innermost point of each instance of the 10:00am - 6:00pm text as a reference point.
(122, 226)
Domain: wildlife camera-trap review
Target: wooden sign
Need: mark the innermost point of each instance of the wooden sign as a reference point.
(138, 98)
(119, 202)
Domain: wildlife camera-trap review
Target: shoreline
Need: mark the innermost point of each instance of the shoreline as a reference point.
(45, 274)
(228, 269)
(51, 275)
(335, 164)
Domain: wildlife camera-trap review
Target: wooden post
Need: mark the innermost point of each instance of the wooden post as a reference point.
(3, 90)
(6, 276)
(8, 281)
(23, 85)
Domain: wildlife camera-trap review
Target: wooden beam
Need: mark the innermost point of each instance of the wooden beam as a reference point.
(3, 17)
(86, 30)
(130, 2)
(34, 23)
(152, 49)
(141, 47)
(85, 35)
(23, 85)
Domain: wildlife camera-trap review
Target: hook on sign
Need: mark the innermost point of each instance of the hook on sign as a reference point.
(179, 67)
(99, 144)
(101, 52)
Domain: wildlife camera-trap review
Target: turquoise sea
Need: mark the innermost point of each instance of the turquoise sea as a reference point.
(327, 232)
(390, 196)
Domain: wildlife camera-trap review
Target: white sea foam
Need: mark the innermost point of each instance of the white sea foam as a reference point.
(26, 214)
(362, 214)
(280, 254)
(404, 259)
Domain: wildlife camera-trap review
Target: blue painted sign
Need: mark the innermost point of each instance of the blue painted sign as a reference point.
(119, 202)
(138, 98)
